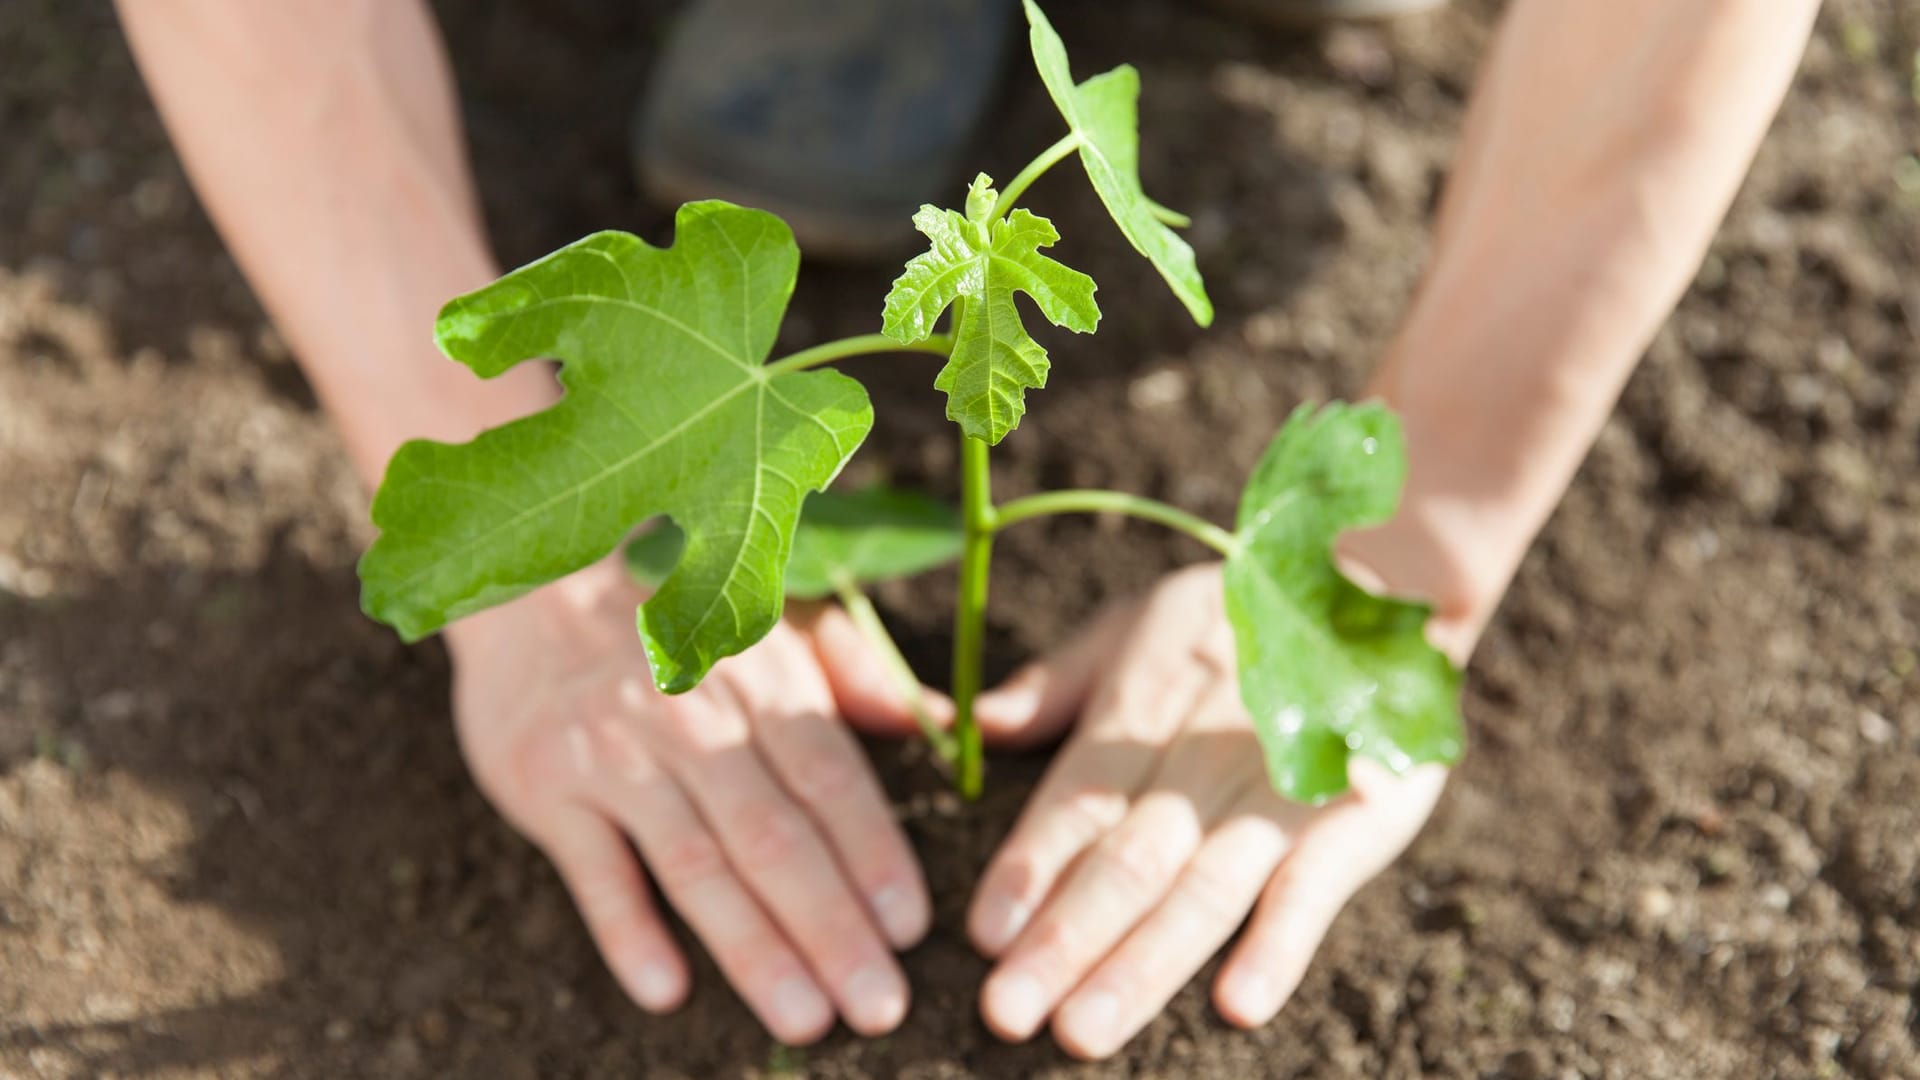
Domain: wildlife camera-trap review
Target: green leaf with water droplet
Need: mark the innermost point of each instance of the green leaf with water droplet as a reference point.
(1104, 113)
(982, 263)
(1327, 669)
(863, 537)
(669, 409)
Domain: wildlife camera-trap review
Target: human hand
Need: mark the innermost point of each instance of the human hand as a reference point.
(747, 798)
(1155, 832)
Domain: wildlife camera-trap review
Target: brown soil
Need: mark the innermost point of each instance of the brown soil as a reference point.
(236, 838)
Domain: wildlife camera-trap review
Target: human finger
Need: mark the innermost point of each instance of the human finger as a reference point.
(781, 855)
(822, 766)
(615, 901)
(697, 877)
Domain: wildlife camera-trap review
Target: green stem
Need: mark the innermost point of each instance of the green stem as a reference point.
(828, 351)
(1035, 169)
(1117, 502)
(861, 610)
(969, 619)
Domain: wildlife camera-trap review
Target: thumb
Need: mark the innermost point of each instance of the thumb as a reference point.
(1036, 703)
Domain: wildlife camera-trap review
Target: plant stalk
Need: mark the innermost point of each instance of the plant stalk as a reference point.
(862, 612)
(969, 618)
(1036, 168)
(839, 349)
(1116, 502)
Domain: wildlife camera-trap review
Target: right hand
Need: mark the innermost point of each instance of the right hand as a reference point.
(746, 797)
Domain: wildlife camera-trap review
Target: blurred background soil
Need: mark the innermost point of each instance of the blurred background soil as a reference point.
(236, 838)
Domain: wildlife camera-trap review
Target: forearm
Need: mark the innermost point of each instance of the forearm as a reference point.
(324, 139)
(1602, 147)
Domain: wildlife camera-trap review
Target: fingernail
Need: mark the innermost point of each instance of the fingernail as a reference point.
(655, 986)
(1016, 1003)
(1089, 1020)
(1000, 920)
(876, 1001)
(798, 1008)
(1252, 996)
(901, 919)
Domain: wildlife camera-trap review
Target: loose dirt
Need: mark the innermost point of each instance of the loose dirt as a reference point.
(236, 838)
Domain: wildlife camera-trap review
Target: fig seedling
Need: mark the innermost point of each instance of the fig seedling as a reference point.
(673, 410)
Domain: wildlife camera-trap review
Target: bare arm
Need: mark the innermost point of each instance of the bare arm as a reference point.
(323, 137)
(1601, 150)
(1602, 147)
(324, 140)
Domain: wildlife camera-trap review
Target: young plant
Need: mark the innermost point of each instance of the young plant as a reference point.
(672, 410)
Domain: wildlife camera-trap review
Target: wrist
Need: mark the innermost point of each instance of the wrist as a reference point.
(1489, 454)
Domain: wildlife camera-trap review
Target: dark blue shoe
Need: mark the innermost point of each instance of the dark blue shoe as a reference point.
(841, 116)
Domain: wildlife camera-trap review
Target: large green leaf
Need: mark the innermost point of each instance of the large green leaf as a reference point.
(1104, 112)
(983, 263)
(1326, 668)
(669, 409)
(858, 538)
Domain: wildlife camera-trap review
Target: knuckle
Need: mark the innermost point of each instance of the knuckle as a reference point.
(1091, 812)
(606, 903)
(1212, 892)
(823, 777)
(690, 859)
(1138, 864)
(765, 834)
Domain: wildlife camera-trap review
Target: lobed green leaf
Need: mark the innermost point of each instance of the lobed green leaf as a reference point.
(1104, 112)
(669, 409)
(1327, 669)
(983, 263)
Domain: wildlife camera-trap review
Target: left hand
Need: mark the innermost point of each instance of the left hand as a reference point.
(1155, 832)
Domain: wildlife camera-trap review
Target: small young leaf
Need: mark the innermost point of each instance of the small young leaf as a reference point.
(668, 409)
(1104, 112)
(871, 535)
(994, 360)
(1326, 668)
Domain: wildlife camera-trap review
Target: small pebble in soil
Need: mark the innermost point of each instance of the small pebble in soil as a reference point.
(1157, 389)
(1720, 863)
(1653, 904)
(1875, 728)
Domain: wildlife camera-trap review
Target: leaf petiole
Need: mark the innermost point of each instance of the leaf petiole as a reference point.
(1036, 168)
(861, 611)
(1116, 502)
(861, 345)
